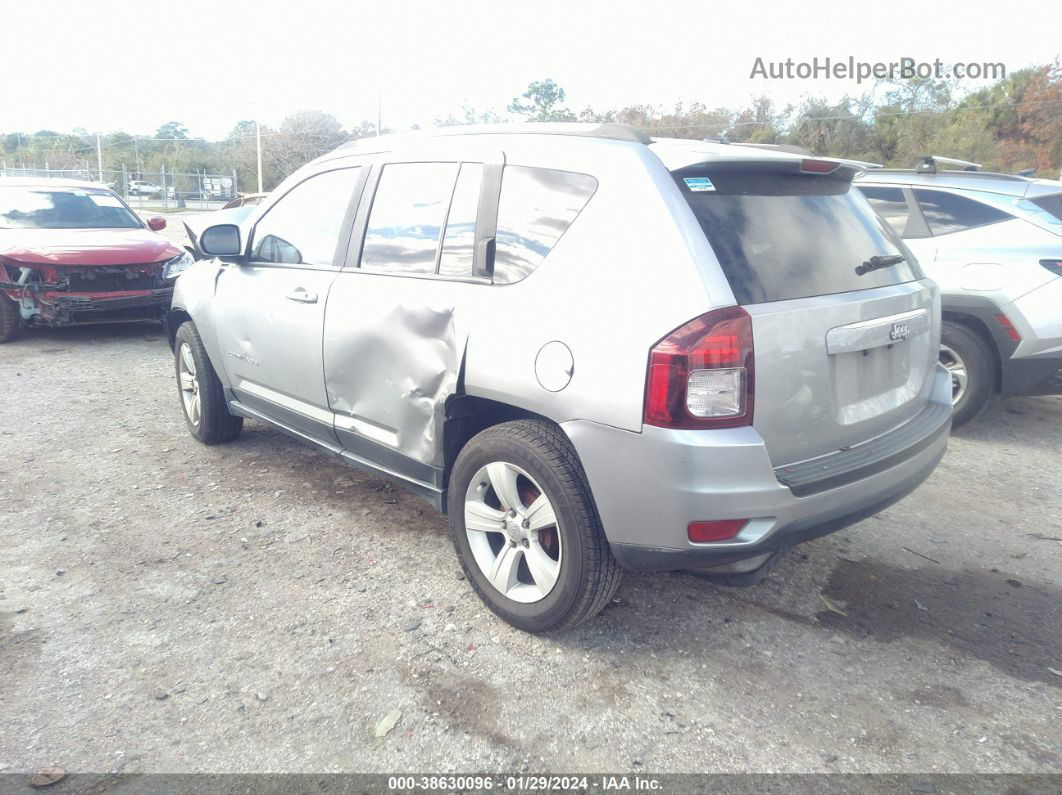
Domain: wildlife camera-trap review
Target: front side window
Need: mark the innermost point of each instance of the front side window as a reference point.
(890, 204)
(536, 207)
(302, 228)
(948, 212)
(43, 208)
(407, 217)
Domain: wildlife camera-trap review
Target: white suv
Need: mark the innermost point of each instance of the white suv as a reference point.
(140, 187)
(993, 242)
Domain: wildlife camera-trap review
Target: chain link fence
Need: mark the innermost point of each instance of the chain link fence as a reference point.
(147, 190)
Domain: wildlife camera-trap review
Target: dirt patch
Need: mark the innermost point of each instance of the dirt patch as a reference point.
(935, 695)
(468, 705)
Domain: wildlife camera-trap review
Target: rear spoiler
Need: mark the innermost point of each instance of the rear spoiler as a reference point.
(793, 149)
(835, 168)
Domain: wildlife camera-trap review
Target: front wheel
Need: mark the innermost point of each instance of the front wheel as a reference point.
(10, 319)
(526, 528)
(972, 367)
(202, 396)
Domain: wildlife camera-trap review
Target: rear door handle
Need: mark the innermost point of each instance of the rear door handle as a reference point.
(301, 295)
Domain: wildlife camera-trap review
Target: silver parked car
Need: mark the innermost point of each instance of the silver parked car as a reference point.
(993, 242)
(594, 350)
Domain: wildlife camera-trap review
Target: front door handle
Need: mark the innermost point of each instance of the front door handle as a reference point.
(301, 295)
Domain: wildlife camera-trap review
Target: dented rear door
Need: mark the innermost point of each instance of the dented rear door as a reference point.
(393, 337)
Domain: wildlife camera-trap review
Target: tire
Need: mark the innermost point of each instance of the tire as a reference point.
(210, 422)
(543, 464)
(967, 356)
(10, 319)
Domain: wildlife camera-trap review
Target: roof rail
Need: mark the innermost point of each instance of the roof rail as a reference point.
(987, 176)
(610, 131)
(927, 164)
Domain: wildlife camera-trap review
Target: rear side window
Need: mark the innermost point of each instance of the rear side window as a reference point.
(536, 207)
(948, 212)
(1051, 204)
(890, 204)
(407, 217)
(302, 228)
(784, 236)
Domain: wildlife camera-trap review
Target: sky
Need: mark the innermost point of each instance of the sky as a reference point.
(106, 66)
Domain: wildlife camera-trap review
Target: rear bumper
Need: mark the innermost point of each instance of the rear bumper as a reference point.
(1034, 375)
(1033, 367)
(649, 486)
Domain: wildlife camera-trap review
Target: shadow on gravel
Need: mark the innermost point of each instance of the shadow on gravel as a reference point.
(1010, 624)
(1015, 422)
(66, 337)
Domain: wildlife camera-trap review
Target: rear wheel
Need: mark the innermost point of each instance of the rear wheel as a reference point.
(10, 319)
(973, 372)
(526, 529)
(200, 390)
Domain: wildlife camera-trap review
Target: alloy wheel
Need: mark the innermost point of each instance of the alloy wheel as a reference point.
(513, 532)
(189, 381)
(960, 379)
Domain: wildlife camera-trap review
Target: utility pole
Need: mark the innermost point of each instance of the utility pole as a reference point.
(99, 156)
(379, 111)
(258, 135)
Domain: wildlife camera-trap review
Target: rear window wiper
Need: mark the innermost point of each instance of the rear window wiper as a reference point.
(879, 261)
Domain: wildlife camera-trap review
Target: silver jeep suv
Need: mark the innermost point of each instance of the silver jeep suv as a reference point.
(993, 243)
(592, 349)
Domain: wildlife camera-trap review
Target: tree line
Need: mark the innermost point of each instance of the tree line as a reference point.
(1013, 125)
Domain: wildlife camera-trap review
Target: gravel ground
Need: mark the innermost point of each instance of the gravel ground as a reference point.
(169, 607)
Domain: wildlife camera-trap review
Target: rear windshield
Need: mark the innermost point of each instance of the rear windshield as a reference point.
(783, 236)
(41, 208)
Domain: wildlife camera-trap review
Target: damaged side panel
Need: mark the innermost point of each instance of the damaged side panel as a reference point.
(392, 356)
(193, 297)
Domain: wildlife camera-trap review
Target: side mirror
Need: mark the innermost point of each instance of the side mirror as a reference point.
(221, 240)
(156, 223)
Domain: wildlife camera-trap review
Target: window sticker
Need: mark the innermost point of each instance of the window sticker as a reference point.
(103, 200)
(699, 184)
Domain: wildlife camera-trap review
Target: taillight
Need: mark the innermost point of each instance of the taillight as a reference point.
(701, 375)
(1053, 265)
(1008, 328)
(819, 166)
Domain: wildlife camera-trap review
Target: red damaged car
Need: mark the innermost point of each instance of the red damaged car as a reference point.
(73, 252)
